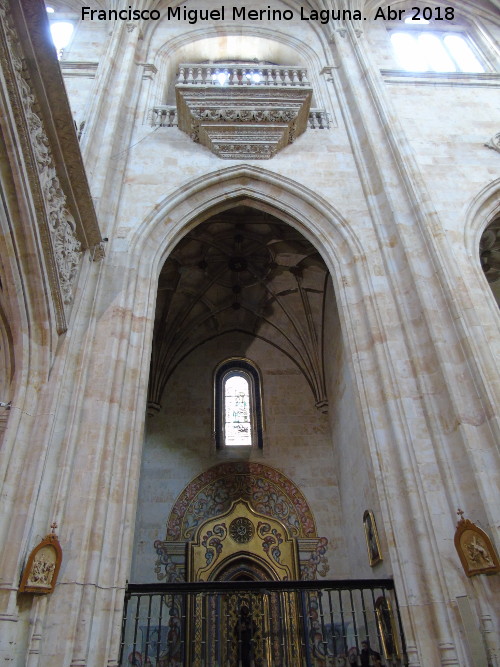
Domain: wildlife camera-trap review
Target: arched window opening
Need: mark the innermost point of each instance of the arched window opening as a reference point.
(238, 410)
(237, 415)
(61, 35)
(489, 253)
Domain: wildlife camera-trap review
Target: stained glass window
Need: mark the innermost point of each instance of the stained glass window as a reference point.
(237, 407)
(237, 416)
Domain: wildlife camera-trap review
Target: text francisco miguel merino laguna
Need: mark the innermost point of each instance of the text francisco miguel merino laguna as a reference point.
(182, 13)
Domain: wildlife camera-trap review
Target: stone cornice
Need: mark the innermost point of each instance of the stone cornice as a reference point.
(85, 69)
(488, 79)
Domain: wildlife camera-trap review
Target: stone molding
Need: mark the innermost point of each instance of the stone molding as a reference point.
(74, 69)
(63, 206)
(489, 79)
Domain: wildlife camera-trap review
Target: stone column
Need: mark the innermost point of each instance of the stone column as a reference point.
(433, 457)
(109, 127)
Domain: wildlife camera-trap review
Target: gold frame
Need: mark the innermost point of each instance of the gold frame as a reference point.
(199, 569)
(475, 549)
(387, 628)
(371, 536)
(49, 553)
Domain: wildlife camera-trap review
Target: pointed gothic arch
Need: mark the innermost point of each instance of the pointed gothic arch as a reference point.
(319, 222)
(173, 217)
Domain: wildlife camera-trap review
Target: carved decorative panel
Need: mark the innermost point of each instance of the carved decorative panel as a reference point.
(265, 539)
(51, 156)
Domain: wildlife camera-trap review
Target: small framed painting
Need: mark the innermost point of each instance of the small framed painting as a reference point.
(387, 629)
(372, 541)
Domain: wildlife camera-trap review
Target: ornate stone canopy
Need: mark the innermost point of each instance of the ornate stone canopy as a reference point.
(243, 112)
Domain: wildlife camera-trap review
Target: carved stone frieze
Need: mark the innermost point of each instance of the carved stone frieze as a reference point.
(65, 245)
(68, 253)
(166, 116)
(243, 122)
(245, 141)
(245, 151)
(244, 115)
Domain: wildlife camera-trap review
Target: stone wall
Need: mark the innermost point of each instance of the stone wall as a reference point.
(357, 485)
(179, 445)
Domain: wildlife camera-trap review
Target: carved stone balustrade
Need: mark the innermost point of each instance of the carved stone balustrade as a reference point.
(242, 75)
(242, 111)
(164, 116)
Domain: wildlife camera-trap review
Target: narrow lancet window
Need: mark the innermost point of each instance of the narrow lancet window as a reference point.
(237, 408)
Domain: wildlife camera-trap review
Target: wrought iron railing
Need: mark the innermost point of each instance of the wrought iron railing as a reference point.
(285, 624)
(166, 116)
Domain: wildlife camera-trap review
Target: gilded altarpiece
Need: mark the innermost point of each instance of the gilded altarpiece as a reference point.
(243, 545)
(267, 491)
(241, 522)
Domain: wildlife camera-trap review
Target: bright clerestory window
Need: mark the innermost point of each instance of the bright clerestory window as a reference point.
(434, 51)
(61, 32)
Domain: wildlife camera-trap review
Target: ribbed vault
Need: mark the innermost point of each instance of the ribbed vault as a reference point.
(242, 270)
